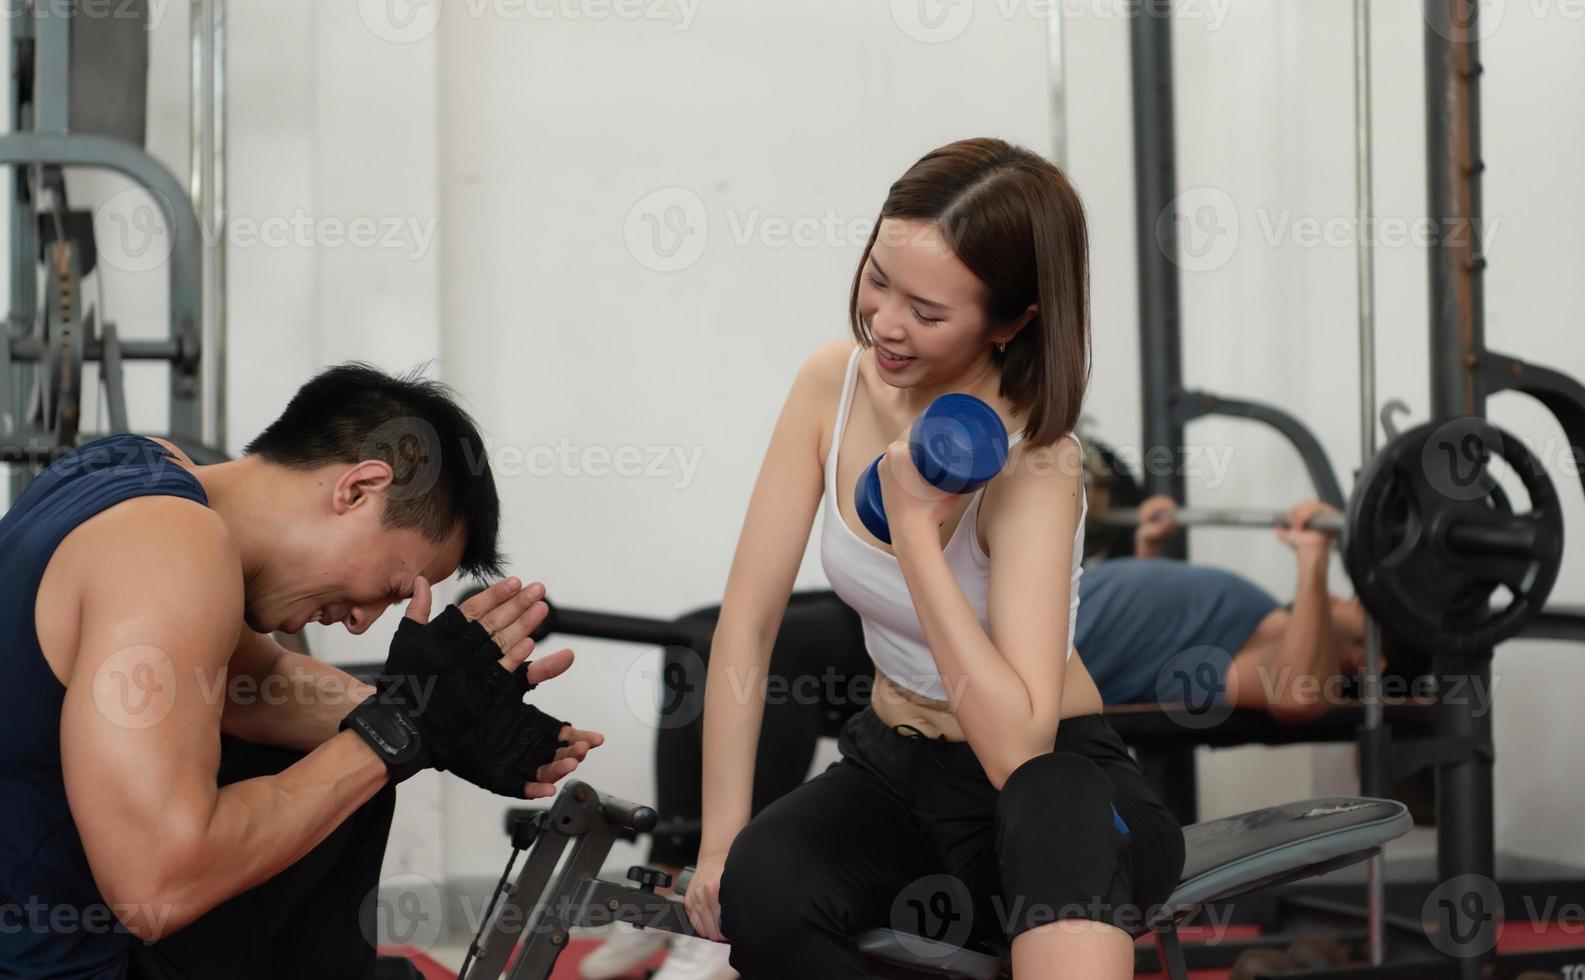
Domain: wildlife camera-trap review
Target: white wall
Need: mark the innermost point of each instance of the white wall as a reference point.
(533, 158)
(554, 131)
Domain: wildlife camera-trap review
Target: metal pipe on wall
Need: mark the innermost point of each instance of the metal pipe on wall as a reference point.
(207, 187)
(1056, 80)
(1364, 195)
(1156, 244)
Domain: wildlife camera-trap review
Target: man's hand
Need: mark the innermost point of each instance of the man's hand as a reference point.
(1303, 539)
(478, 726)
(507, 611)
(1157, 522)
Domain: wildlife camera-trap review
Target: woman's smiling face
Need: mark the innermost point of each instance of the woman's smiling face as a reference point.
(924, 308)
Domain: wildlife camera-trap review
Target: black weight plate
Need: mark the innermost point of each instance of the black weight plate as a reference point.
(1430, 535)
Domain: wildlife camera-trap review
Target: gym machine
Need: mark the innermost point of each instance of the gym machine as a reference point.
(77, 99)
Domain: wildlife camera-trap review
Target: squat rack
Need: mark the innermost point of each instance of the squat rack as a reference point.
(1463, 374)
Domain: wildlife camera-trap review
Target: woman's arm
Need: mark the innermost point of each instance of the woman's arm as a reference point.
(1005, 688)
(770, 548)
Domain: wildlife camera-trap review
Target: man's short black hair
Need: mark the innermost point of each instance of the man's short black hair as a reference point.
(354, 412)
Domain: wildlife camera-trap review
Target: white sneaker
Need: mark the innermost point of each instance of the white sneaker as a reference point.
(626, 948)
(692, 958)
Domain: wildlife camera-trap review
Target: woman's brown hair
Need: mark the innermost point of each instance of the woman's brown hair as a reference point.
(1017, 223)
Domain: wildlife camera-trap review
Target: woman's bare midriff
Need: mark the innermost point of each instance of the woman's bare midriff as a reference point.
(896, 705)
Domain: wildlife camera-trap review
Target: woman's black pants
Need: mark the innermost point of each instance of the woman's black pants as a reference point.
(907, 832)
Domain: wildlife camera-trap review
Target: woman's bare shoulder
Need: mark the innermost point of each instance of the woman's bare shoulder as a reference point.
(819, 387)
(828, 365)
(820, 378)
(1052, 473)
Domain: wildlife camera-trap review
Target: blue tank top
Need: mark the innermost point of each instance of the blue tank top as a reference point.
(53, 921)
(1137, 617)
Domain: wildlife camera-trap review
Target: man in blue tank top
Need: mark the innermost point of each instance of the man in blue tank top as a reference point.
(1154, 630)
(182, 798)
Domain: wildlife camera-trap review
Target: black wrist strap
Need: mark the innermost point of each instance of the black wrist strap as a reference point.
(391, 734)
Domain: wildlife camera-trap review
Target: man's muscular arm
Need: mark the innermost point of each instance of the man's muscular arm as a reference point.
(160, 609)
(277, 697)
(1305, 658)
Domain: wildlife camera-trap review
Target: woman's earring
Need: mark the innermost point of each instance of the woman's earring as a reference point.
(1001, 347)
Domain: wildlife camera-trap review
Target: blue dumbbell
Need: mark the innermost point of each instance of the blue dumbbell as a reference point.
(957, 444)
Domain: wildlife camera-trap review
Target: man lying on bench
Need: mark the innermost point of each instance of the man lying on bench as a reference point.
(1156, 630)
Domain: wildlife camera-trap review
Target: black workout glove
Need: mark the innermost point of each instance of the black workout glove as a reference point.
(442, 675)
(445, 678)
(504, 751)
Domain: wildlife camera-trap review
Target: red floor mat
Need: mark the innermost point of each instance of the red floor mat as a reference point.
(1515, 936)
(566, 965)
(428, 967)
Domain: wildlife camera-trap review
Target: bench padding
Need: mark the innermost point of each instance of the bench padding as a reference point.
(1224, 858)
(1233, 855)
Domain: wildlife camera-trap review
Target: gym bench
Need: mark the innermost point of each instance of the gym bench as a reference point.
(533, 916)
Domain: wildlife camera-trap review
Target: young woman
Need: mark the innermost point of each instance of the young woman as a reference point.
(983, 760)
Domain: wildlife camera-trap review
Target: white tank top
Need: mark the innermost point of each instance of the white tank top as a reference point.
(870, 580)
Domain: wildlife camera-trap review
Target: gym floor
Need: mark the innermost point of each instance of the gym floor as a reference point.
(441, 962)
(1413, 855)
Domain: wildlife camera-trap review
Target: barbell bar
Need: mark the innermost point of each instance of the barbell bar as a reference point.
(1511, 536)
(1128, 517)
(25, 349)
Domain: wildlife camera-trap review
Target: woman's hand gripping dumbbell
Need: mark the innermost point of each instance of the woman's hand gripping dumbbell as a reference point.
(957, 444)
